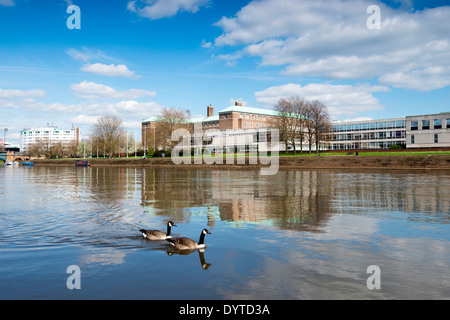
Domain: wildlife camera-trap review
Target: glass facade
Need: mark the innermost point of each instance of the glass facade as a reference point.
(368, 135)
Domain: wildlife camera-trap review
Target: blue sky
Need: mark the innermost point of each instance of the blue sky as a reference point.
(132, 58)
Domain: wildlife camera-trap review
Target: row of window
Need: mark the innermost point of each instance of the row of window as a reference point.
(385, 125)
(370, 136)
(437, 124)
(256, 125)
(45, 132)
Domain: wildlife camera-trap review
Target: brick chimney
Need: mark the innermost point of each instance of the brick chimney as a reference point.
(238, 104)
(210, 111)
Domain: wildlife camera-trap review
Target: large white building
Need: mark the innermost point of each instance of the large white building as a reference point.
(49, 134)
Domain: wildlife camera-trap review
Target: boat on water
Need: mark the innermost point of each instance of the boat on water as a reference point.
(27, 164)
(11, 164)
(82, 163)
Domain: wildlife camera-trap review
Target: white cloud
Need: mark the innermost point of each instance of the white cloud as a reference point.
(127, 110)
(92, 90)
(330, 39)
(88, 54)
(341, 100)
(14, 93)
(7, 3)
(206, 45)
(232, 101)
(14, 98)
(158, 9)
(425, 79)
(111, 70)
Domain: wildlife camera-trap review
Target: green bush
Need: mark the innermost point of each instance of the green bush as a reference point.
(150, 152)
(395, 147)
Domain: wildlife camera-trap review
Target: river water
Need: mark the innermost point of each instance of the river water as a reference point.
(296, 235)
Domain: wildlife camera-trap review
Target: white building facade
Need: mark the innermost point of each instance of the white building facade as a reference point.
(428, 131)
(48, 134)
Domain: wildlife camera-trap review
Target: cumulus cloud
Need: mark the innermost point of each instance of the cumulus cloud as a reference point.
(330, 39)
(111, 70)
(92, 90)
(158, 9)
(341, 100)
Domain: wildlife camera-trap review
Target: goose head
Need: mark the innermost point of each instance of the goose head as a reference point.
(171, 224)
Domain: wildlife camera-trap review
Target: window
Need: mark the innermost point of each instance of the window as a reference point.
(251, 125)
(245, 124)
(425, 124)
(414, 125)
(241, 116)
(257, 125)
(413, 139)
(437, 124)
(448, 123)
(436, 138)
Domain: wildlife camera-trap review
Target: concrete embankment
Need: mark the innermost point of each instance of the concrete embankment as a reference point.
(300, 162)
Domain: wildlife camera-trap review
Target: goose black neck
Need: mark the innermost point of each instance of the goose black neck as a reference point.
(168, 229)
(202, 238)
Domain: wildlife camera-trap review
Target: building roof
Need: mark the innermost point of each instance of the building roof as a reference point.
(241, 109)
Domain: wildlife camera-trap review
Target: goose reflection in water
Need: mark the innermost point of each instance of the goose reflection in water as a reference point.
(201, 255)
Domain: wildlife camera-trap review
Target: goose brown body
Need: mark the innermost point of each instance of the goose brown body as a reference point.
(156, 234)
(184, 243)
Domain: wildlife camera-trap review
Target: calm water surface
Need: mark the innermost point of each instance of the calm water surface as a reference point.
(296, 235)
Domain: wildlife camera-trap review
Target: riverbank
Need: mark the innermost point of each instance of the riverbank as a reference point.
(322, 162)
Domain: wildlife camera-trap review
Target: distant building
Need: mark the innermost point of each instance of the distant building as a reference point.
(423, 131)
(372, 134)
(49, 134)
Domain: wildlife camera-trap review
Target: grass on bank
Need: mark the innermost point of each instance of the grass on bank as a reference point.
(305, 154)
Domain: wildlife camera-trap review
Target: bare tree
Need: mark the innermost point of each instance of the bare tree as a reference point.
(290, 120)
(167, 122)
(318, 124)
(108, 134)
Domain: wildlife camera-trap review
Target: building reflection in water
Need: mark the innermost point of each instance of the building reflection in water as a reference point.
(293, 199)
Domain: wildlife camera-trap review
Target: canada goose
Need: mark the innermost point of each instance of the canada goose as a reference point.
(158, 235)
(186, 243)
